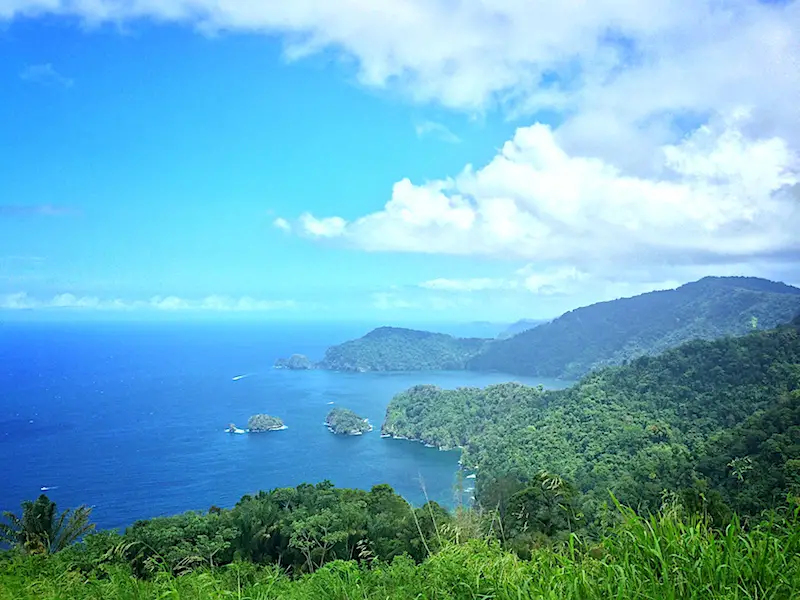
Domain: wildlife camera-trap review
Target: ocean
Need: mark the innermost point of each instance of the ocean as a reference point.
(130, 417)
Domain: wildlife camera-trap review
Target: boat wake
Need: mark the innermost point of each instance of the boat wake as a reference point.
(44, 488)
(238, 377)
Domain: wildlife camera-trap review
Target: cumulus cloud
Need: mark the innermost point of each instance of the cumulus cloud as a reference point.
(72, 301)
(719, 195)
(437, 131)
(44, 74)
(17, 301)
(678, 54)
(466, 285)
(391, 301)
(531, 279)
(21, 300)
(322, 228)
(282, 224)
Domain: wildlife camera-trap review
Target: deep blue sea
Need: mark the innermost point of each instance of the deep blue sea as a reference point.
(129, 418)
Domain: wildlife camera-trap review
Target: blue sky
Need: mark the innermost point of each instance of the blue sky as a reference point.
(241, 160)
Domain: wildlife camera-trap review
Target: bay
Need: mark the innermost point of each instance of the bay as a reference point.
(129, 417)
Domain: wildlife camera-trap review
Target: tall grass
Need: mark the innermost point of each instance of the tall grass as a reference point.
(663, 557)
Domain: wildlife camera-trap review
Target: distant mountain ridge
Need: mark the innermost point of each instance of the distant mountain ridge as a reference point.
(581, 340)
(613, 332)
(520, 326)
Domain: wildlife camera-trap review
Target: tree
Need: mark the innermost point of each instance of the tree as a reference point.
(41, 530)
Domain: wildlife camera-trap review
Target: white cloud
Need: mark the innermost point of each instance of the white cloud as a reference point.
(72, 301)
(168, 303)
(246, 303)
(466, 285)
(597, 57)
(389, 301)
(282, 224)
(531, 279)
(21, 300)
(44, 74)
(436, 130)
(719, 195)
(322, 228)
(551, 281)
(17, 301)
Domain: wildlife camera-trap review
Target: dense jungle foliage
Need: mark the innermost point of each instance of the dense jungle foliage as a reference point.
(670, 422)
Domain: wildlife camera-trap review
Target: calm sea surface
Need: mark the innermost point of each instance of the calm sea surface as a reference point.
(129, 417)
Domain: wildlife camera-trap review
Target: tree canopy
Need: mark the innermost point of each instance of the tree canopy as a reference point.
(636, 430)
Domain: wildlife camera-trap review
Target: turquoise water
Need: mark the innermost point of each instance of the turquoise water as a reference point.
(129, 417)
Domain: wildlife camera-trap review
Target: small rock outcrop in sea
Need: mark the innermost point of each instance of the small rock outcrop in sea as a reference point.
(344, 421)
(296, 362)
(259, 423)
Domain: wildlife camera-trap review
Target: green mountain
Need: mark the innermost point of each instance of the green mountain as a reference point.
(398, 349)
(611, 333)
(636, 429)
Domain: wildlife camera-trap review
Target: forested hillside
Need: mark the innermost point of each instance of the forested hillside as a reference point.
(603, 334)
(636, 429)
(610, 333)
(399, 349)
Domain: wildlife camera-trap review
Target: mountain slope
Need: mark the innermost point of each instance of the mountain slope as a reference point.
(610, 333)
(399, 349)
(634, 429)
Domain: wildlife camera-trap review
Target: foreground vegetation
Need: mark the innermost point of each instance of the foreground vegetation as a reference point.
(671, 555)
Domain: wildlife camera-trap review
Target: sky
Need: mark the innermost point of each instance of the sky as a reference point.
(443, 160)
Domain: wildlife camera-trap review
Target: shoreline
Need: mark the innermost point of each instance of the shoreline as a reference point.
(461, 466)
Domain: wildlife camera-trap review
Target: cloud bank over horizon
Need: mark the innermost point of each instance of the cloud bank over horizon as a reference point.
(217, 303)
